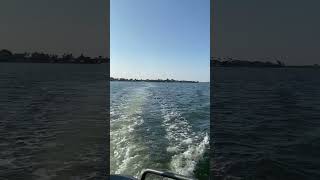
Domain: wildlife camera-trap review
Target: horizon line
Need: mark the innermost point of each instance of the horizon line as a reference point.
(156, 79)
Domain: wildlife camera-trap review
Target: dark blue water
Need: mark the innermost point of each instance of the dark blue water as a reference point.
(266, 123)
(160, 126)
(53, 121)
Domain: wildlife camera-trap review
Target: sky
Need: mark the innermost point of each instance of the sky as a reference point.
(273, 28)
(154, 32)
(151, 39)
(55, 26)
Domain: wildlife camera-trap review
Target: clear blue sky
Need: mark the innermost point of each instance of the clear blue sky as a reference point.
(160, 39)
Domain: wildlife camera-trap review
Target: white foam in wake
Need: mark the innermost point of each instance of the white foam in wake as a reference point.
(186, 146)
(126, 116)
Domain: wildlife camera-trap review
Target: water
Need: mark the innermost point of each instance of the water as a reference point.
(159, 126)
(266, 123)
(52, 121)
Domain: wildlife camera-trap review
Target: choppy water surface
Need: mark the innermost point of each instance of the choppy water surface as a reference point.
(266, 123)
(159, 126)
(52, 121)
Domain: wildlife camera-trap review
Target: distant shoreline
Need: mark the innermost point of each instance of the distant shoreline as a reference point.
(232, 62)
(7, 56)
(152, 80)
(305, 66)
(31, 62)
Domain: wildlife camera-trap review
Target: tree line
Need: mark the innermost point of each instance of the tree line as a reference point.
(151, 80)
(40, 57)
(232, 62)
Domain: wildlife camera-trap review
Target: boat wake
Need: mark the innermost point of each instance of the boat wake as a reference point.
(149, 130)
(126, 116)
(186, 146)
